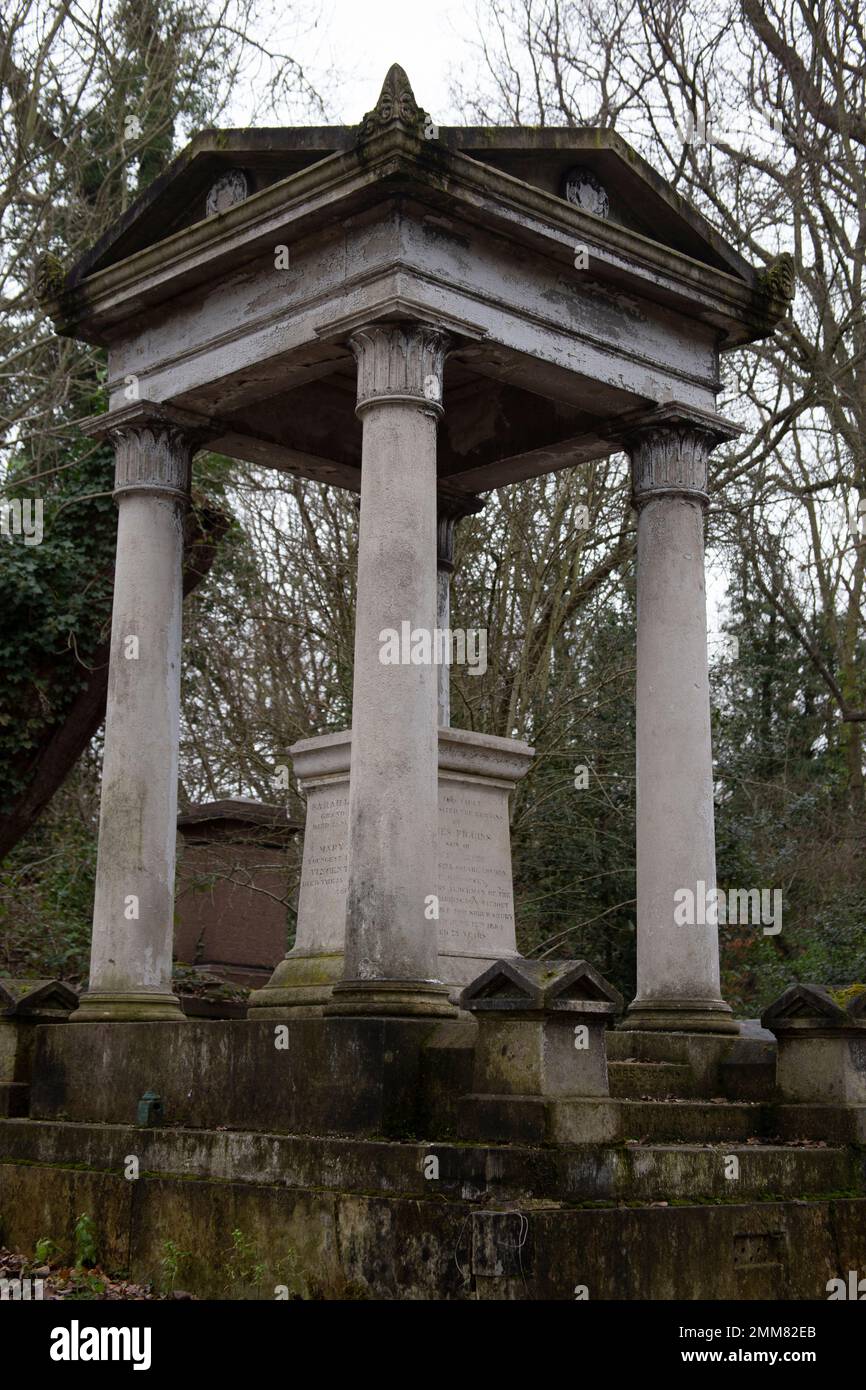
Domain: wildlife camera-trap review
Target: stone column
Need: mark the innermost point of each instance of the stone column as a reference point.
(391, 963)
(677, 965)
(444, 570)
(131, 953)
(451, 508)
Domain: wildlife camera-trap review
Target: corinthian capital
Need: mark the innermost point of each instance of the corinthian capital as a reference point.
(153, 447)
(152, 458)
(400, 362)
(669, 450)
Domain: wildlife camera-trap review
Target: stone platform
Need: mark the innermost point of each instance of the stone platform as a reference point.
(352, 1154)
(360, 1219)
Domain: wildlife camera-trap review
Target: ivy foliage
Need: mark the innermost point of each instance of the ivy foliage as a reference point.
(55, 597)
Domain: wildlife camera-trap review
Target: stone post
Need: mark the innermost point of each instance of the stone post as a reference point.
(391, 963)
(130, 964)
(451, 508)
(678, 984)
(541, 1028)
(444, 568)
(821, 1058)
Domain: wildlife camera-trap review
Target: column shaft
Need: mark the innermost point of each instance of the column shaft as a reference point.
(678, 984)
(131, 953)
(443, 622)
(391, 961)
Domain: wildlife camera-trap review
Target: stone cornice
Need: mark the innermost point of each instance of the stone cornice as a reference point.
(290, 209)
(155, 415)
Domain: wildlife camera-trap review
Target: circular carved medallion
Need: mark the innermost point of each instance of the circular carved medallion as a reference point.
(583, 189)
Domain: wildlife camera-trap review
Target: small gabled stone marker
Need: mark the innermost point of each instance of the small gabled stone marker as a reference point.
(822, 1046)
(541, 1026)
(24, 1003)
(41, 1000)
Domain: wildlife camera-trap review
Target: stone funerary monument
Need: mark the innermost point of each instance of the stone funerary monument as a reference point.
(421, 315)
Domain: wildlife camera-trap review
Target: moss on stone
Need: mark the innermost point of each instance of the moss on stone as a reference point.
(846, 996)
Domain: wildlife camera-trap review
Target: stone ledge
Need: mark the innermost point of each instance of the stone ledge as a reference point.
(631, 1173)
(399, 1248)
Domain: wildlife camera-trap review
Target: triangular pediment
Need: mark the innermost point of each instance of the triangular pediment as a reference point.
(504, 980)
(802, 1002)
(542, 984)
(591, 170)
(580, 981)
(20, 997)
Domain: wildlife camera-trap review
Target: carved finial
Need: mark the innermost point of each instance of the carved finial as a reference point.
(779, 279)
(48, 278)
(396, 106)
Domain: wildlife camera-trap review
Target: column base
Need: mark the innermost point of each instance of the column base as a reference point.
(394, 998)
(679, 1016)
(128, 1008)
(300, 987)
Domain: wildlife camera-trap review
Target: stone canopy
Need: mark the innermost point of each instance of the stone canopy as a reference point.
(419, 315)
(563, 321)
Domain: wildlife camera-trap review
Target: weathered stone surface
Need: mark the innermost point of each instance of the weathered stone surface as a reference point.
(541, 1028)
(748, 1071)
(525, 987)
(352, 1077)
(24, 1004)
(473, 1171)
(131, 949)
(706, 1055)
(390, 940)
(36, 1000)
(377, 1227)
(229, 189)
(642, 1080)
(396, 106)
(231, 889)
(805, 1008)
(678, 982)
(822, 1046)
(324, 1076)
(477, 773)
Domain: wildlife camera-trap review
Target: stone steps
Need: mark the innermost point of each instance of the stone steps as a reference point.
(690, 1121)
(637, 1080)
(736, 1067)
(629, 1172)
(728, 1172)
(462, 1247)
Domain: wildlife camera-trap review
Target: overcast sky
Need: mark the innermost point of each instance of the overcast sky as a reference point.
(357, 41)
(360, 39)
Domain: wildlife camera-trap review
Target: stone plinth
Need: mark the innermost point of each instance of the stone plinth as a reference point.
(541, 1028)
(822, 1046)
(476, 904)
(232, 881)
